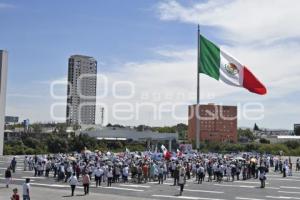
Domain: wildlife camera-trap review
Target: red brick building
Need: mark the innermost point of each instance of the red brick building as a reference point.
(217, 123)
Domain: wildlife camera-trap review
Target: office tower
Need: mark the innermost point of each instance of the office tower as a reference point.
(3, 78)
(218, 123)
(82, 81)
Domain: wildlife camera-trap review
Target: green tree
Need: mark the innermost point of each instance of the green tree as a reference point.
(246, 133)
(36, 128)
(264, 141)
(256, 128)
(57, 145)
(292, 144)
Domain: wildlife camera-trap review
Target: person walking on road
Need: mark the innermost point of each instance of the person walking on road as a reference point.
(86, 183)
(176, 175)
(145, 172)
(181, 180)
(109, 177)
(73, 181)
(262, 176)
(200, 174)
(25, 163)
(8, 177)
(290, 165)
(98, 176)
(13, 164)
(160, 174)
(26, 189)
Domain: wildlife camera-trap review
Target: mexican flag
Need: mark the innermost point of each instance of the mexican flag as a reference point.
(221, 66)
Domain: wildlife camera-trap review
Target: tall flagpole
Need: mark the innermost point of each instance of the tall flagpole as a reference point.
(197, 111)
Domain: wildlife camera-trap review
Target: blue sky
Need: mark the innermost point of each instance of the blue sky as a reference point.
(108, 30)
(41, 35)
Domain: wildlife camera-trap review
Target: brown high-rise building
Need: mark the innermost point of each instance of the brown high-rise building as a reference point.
(217, 123)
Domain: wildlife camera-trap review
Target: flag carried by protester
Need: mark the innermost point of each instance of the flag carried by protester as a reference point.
(166, 153)
(221, 66)
(164, 149)
(179, 153)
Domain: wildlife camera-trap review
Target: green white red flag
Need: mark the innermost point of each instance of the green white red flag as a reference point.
(221, 66)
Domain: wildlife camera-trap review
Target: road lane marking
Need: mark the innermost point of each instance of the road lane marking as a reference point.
(185, 197)
(34, 177)
(280, 176)
(274, 188)
(241, 186)
(15, 179)
(51, 185)
(163, 184)
(283, 179)
(246, 198)
(288, 192)
(137, 186)
(246, 186)
(289, 187)
(204, 191)
(119, 188)
(248, 182)
(281, 197)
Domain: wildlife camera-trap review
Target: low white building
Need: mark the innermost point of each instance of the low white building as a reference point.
(129, 134)
(281, 138)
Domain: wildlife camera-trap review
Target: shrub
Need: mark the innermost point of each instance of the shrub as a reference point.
(264, 141)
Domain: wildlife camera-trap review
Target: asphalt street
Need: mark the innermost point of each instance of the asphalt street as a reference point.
(44, 188)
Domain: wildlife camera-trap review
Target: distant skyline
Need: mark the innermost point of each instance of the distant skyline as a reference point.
(153, 45)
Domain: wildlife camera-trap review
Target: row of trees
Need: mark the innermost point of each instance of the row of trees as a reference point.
(36, 142)
(54, 143)
(289, 148)
(181, 129)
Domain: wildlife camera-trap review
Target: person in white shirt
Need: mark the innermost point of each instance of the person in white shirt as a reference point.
(25, 163)
(73, 182)
(125, 174)
(69, 171)
(181, 180)
(26, 189)
(228, 172)
(98, 173)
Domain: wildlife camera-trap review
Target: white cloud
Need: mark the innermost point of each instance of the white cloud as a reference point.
(243, 21)
(263, 35)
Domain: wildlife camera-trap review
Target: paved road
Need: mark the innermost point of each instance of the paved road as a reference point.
(47, 188)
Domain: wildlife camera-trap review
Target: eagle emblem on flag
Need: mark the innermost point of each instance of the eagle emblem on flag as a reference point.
(231, 68)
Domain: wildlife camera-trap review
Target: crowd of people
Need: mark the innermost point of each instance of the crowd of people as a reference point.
(141, 167)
